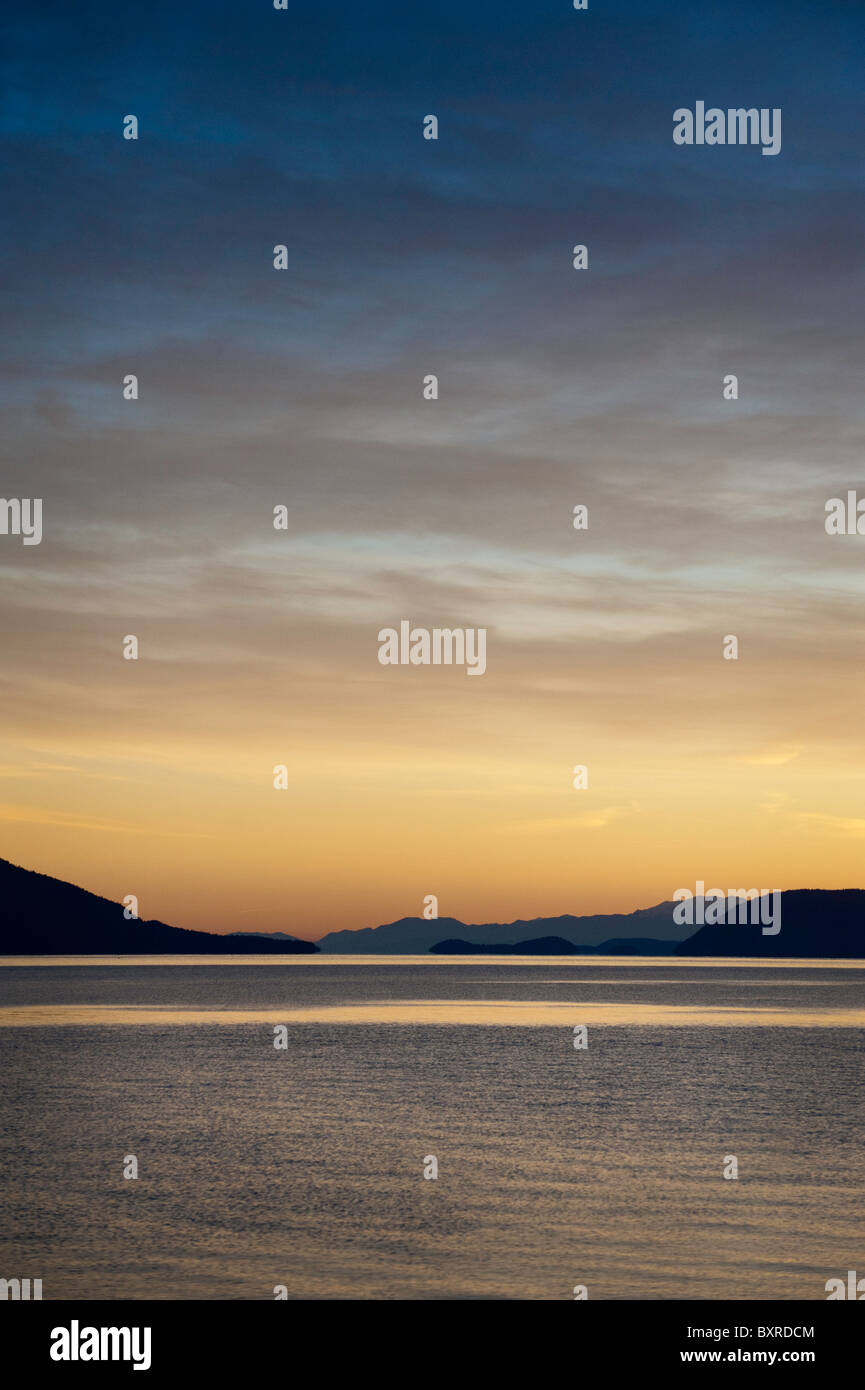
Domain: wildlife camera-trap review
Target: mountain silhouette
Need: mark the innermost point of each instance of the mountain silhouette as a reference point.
(45, 916)
(557, 946)
(826, 924)
(417, 934)
(819, 923)
(40, 915)
(540, 946)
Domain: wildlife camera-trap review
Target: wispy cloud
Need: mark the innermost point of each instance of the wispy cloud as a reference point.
(587, 820)
(773, 755)
(835, 825)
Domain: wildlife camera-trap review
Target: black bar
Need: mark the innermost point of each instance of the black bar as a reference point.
(421, 1338)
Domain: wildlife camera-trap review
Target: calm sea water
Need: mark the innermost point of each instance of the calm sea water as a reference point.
(304, 1167)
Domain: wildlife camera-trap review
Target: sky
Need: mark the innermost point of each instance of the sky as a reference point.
(302, 388)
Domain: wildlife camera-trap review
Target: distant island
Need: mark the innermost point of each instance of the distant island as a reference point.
(541, 946)
(557, 946)
(825, 924)
(45, 916)
(420, 934)
(822, 924)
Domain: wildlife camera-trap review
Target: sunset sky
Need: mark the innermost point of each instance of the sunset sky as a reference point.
(557, 387)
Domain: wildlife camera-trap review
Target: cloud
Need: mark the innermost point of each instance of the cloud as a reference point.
(588, 820)
(834, 825)
(774, 755)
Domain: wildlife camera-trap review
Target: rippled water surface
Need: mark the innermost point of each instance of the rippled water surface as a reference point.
(303, 1166)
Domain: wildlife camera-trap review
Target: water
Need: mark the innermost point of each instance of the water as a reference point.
(557, 1167)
